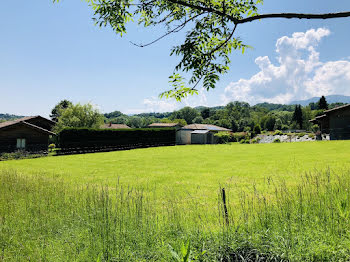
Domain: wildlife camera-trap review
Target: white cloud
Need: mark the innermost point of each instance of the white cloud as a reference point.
(299, 73)
(155, 104)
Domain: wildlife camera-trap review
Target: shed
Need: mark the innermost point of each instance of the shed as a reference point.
(29, 133)
(184, 135)
(335, 122)
(202, 137)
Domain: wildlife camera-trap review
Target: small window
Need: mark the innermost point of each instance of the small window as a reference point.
(21, 143)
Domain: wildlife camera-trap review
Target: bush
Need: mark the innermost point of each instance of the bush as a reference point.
(19, 155)
(278, 133)
(223, 137)
(277, 140)
(52, 147)
(239, 136)
(315, 128)
(301, 134)
(312, 135)
(257, 129)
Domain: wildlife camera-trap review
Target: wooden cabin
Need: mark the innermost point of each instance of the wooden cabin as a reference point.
(29, 134)
(335, 122)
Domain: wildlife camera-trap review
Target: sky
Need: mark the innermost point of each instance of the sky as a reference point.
(50, 52)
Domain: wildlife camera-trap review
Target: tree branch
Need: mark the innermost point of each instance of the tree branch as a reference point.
(293, 15)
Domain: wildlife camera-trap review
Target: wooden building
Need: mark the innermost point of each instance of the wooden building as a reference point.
(29, 134)
(335, 122)
(198, 134)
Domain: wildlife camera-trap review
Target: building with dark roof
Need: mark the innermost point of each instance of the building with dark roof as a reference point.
(28, 133)
(335, 122)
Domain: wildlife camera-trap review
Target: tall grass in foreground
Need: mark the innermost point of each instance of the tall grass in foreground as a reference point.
(44, 219)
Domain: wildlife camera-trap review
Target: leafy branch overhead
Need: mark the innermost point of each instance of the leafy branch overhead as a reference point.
(210, 36)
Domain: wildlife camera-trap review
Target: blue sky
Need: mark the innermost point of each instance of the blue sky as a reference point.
(50, 52)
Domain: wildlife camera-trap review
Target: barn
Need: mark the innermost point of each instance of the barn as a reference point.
(29, 134)
(335, 122)
(198, 134)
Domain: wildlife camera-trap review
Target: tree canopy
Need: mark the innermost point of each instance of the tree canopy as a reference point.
(57, 110)
(210, 37)
(79, 116)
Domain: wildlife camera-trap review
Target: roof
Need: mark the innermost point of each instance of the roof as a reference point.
(206, 127)
(115, 126)
(8, 123)
(164, 125)
(200, 131)
(24, 120)
(337, 108)
(329, 111)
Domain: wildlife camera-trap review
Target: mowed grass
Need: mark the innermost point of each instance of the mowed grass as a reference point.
(195, 168)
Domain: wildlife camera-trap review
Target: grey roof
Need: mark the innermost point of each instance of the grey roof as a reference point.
(200, 132)
(206, 127)
(164, 125)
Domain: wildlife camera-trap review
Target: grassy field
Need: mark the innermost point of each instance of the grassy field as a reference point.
(286, 201)
(183, 169)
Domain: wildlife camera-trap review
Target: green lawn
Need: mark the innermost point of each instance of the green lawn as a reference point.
(194, 169)
(51, 210)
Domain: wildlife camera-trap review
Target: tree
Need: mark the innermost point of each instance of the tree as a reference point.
(298, 116)
(269, 123)
(114, 114)
(57, 110)
(198, 120)
(187, 113)
(278, 124)
(79, 116)
(322, 103)
(205, 113)
(208, 43)
(257, 129)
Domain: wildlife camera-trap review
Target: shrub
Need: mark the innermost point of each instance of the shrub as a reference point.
(257, 129)
(223, 137)
(285, 127)
(301, 134)
(315, 128)
(312, 135)
(277, 140)
(239, 136)
(19, 155)
(52, 147)
(278, 132)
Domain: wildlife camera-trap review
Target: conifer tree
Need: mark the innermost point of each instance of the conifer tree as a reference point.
(322, 103)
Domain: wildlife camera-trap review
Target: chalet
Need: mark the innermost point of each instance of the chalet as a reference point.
(335, 122)
(28, 133)
(114, 126)
(198, 134)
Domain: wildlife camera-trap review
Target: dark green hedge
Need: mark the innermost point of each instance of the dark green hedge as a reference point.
(97, 138)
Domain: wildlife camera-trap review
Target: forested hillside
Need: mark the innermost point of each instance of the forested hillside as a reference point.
(7, 117)
(238, 116)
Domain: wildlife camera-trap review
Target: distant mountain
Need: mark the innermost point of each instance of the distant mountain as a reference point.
(330, 99)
